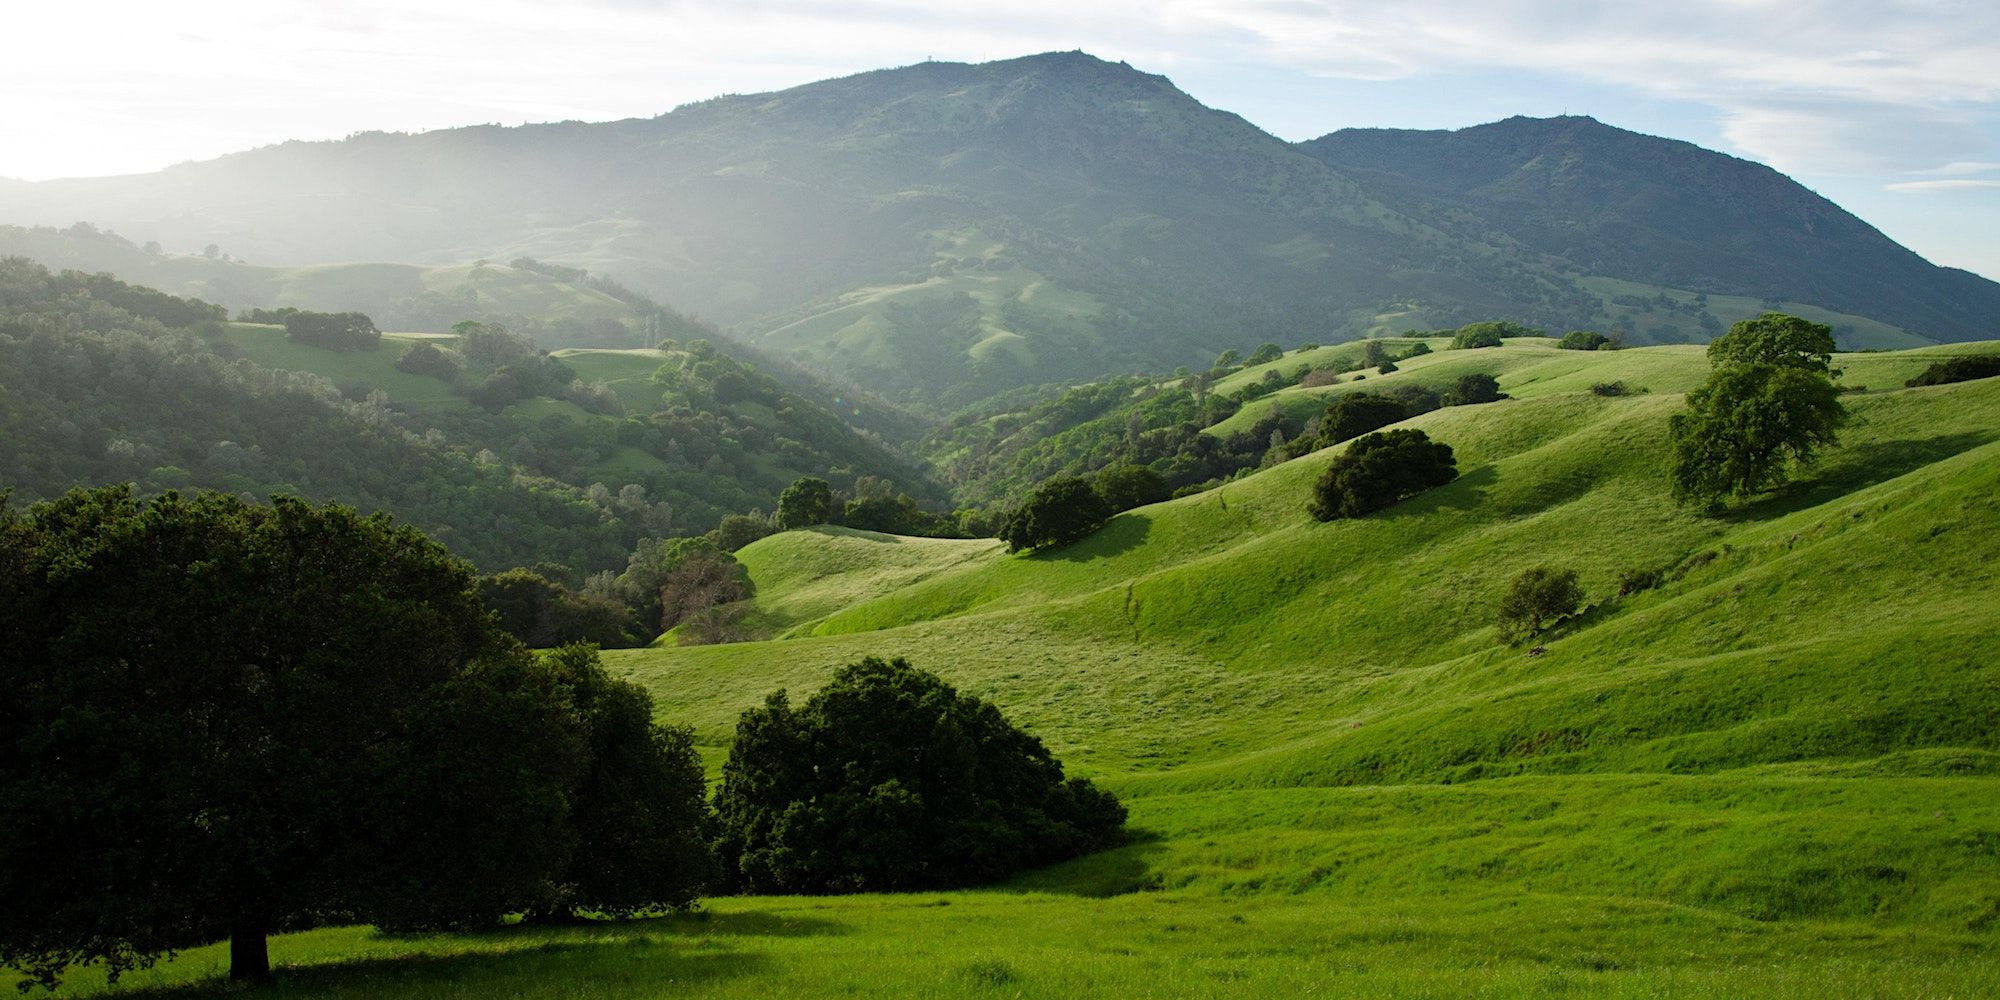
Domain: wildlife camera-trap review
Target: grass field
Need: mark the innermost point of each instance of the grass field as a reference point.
(1774, 773)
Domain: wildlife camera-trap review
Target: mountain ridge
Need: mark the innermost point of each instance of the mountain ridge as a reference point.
(945, 231)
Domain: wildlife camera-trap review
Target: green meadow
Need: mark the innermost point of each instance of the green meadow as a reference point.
(1770, 767)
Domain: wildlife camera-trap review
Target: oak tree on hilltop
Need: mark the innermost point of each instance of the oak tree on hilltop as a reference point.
(1769, 406)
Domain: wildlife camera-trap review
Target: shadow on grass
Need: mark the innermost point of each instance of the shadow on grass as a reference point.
(1856, 467)
(631, 964)
(1121, 534)
(1119, 871)
(1464, 493)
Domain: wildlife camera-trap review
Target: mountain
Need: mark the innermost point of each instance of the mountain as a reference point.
(1658, 212)
(944, 232)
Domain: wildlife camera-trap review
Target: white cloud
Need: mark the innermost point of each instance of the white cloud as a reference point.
(1943, 187)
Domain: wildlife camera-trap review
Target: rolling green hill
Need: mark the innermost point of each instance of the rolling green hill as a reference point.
(941, 233)
(1775, 771)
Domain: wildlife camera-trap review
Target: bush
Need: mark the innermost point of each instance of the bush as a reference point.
(1378, 470)
(1059, 512)
(1583, 340)
(738, 530)
(1958, 370)
(1318, 377)
(1608, 388)
(888, 780)
(1538, 597)
(1473, 389)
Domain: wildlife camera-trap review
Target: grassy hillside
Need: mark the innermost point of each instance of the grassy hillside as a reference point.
(1775, 773)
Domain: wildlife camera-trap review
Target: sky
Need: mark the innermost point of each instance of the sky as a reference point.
(1891, 108)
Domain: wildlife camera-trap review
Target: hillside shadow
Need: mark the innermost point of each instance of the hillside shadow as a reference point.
(1464, 493)
(1119, 871)
(1121, 534)
(1856, 467)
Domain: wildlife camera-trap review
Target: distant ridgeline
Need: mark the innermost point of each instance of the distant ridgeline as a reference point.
(945, 233)
(509, 456)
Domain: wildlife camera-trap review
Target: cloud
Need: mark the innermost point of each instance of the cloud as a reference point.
(1943, 187)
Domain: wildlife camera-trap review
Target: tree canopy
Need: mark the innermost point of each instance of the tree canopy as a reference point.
(1059, 512)
(808, 501)
(1378, 470)
(225, 720)
(1769, 406)
(889, 779)
(1537, 597)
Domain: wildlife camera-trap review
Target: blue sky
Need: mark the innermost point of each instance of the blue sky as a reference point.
(1889, 107)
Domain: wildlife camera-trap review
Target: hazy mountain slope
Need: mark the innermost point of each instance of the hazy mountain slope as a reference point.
(1661, 212)
(943, 232)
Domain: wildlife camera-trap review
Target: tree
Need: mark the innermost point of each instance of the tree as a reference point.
(1537, 597)
(888, 779)
(1059, 512)
(349, 331)
(1583, 340)
(808, 501)
(1768, 407)
(1127, 486)
(738, 530)
(1378, 470)
(1357, 413)
(640, 805)
(224, 720)
(1470, 390)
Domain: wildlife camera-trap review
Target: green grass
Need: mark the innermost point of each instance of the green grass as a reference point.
(268, 346)
(1777, 773)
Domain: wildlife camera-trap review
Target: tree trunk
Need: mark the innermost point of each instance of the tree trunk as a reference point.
(249, 953)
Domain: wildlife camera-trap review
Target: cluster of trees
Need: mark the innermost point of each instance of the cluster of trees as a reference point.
(224, 720)
(345, 331)
(1957, 370)
(229, 720)
(888, 779)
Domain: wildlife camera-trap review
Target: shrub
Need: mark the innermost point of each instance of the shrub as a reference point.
(1608, 388)
(1417, 350)
(1473, 389)
(1583, 340)
(1538, 597)
(1386, 368)
(888, 779)
(1059, 512)
(1379, 470)
(1958, 370)
(1318, 377)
